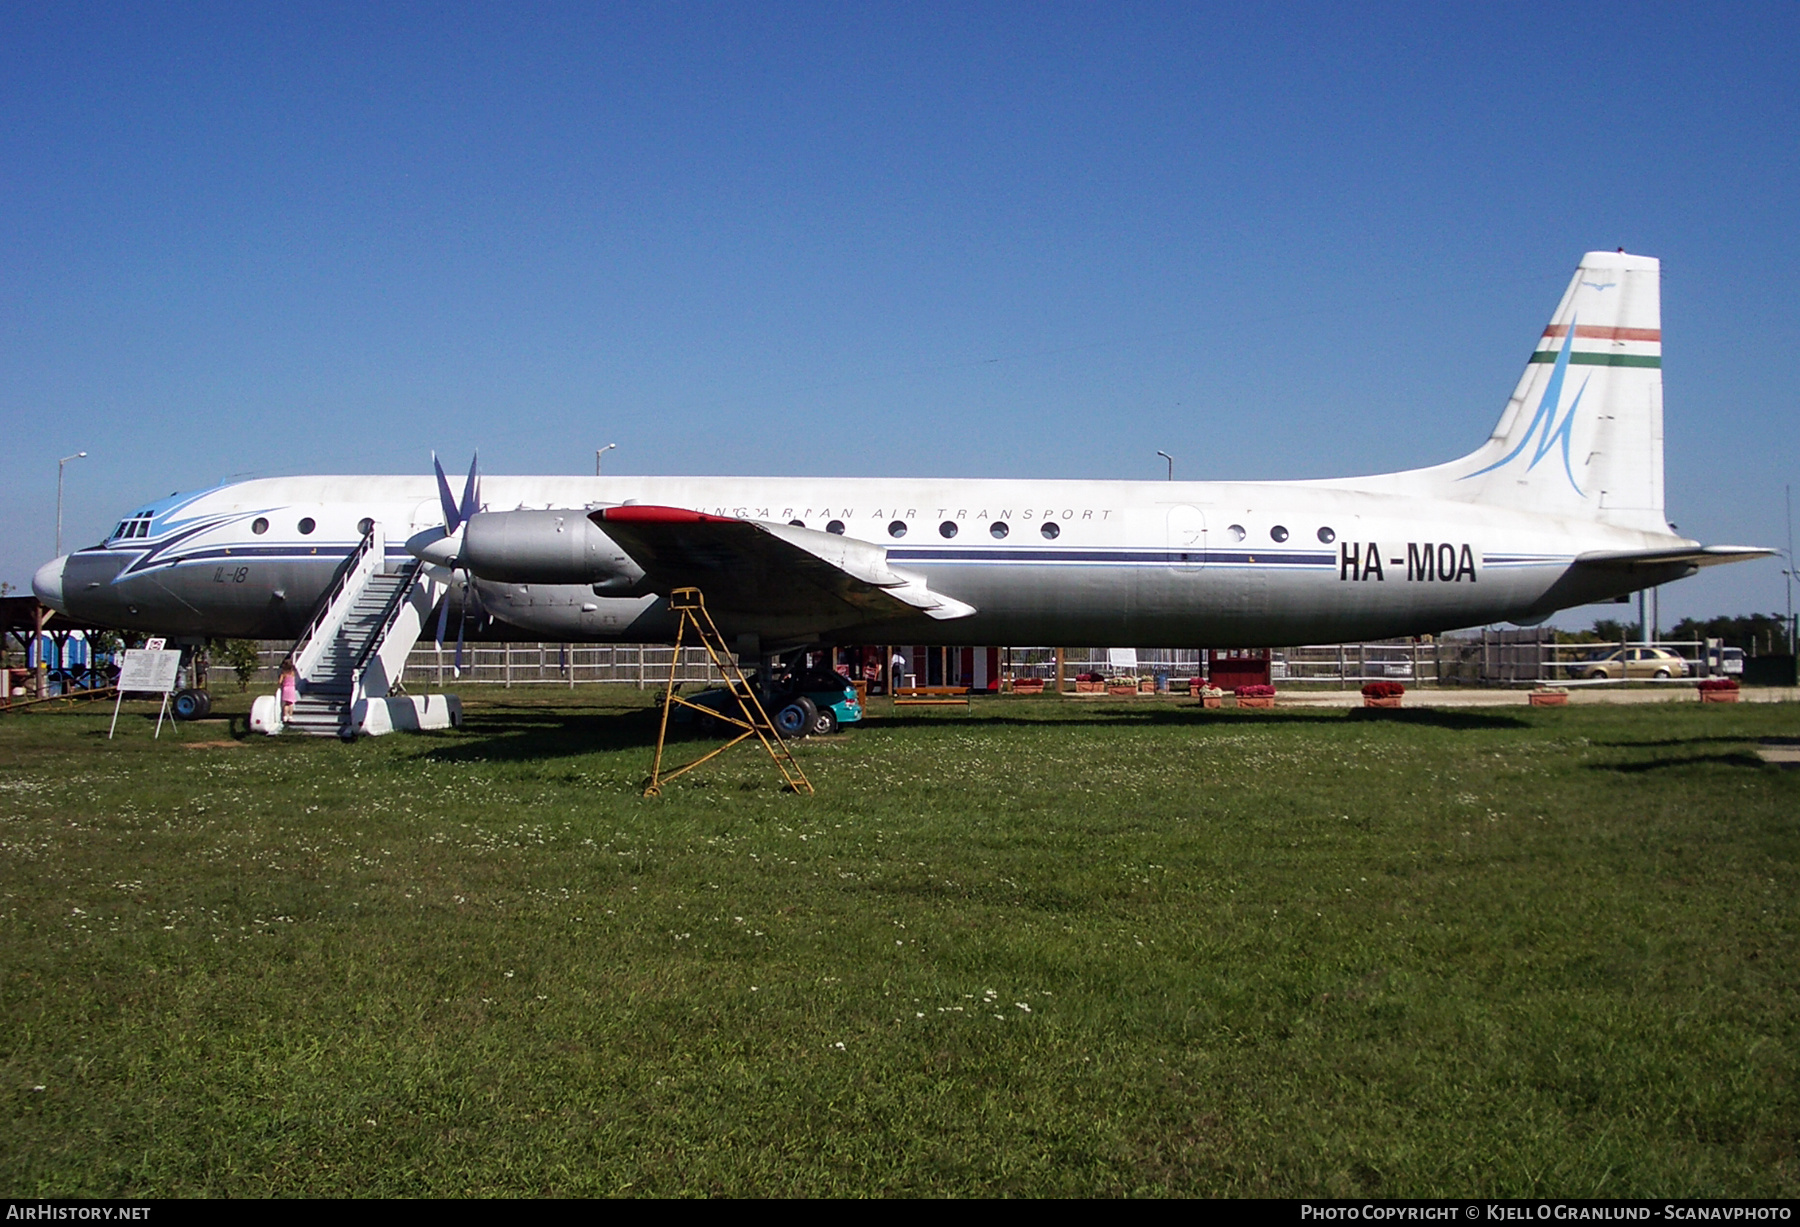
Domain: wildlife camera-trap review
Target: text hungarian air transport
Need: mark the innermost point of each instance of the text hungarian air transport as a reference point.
(1561, 506)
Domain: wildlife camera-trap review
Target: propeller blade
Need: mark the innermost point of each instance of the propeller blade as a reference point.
(461, 623)
(471, 499)
(452, 521)
(443, 618)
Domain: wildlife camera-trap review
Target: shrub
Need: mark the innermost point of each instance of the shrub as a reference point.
(240, 656)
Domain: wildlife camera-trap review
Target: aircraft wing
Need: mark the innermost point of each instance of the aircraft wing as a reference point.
(771, 568)
(1693, 556)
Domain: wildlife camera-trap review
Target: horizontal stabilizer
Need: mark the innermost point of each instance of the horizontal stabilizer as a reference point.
(770, 568)
(1694, 556)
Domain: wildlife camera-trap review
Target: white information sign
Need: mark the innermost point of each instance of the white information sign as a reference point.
(146, 671)
(142, 671)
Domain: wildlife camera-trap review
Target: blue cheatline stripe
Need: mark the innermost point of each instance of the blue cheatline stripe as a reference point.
(234, 553)
(1118, 557)
(267, 551)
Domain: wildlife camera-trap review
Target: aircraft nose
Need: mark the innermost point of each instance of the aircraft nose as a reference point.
(48, 583)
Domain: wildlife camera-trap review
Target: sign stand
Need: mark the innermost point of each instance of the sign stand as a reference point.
(147, 671)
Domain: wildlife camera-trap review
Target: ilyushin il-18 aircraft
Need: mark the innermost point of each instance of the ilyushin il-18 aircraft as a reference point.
(1561, 506)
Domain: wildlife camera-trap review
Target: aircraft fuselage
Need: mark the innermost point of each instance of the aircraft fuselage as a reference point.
(1042, 562)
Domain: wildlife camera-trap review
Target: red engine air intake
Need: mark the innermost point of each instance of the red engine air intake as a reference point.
(657, 515)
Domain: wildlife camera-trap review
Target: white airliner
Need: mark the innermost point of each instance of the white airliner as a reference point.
(1561, 506)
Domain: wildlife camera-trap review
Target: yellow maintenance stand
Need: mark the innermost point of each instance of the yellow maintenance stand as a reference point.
(690, 607)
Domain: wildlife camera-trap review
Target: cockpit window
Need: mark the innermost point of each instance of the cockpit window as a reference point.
(132, 528)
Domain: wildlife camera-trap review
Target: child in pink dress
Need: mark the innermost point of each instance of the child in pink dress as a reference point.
(290, 689)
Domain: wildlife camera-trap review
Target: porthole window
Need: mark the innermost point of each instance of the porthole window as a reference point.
(306, 526)
(1327, 536)
(998, 530)
(1051, 532)
(365, 525)
(897, 528)
(836, 526)
(947, 529)
(798, 523)
(1278, 533)
(1236, 531)
(259, 526)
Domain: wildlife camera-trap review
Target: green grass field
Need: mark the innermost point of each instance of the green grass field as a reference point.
(1044, 948)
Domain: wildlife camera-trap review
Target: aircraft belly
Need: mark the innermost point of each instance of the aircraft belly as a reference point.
(1208, 606)
(221, 597)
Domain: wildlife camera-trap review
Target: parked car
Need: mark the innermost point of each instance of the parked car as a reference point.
(807, 704)
(1633, 662)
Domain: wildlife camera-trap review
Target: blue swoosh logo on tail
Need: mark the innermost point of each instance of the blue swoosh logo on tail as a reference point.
(1546, 417)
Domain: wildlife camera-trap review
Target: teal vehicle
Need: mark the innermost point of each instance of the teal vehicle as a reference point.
(810, 703)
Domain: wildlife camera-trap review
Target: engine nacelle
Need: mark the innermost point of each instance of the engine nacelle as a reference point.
(545, 547)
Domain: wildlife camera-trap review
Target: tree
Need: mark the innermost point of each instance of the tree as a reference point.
(1755, 634)
(1606, 630)
(240, 655)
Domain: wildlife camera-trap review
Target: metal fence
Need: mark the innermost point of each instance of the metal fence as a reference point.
(1515, 657)
(540, 664)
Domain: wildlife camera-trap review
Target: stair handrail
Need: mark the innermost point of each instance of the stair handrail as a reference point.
(357, 565)
(412, 569)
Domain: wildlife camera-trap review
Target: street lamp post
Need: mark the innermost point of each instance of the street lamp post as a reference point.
(59, 489)
(598, 453)
(1171, 461)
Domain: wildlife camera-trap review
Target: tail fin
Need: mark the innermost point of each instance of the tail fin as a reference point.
(1583, 433)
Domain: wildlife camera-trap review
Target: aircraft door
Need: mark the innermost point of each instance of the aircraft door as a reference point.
(1187, 537)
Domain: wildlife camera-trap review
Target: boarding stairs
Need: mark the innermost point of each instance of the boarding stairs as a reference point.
(350, 657)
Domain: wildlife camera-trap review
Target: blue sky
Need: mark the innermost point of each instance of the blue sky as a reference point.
(1019, 240)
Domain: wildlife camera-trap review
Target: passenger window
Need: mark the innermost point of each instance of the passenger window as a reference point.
(836, 526)
(1051, 532)
(897, 528)
(1327, 536)
(365, 526)
(259, 526)
(1278, 533)
(1237, 532)
(947, 529)
(998, 530)
(306, 526)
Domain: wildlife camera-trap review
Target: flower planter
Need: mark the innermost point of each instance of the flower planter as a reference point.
(1718, 696)
(1123, 691)
(1261, 700)
(1550, 699)
(1028, 685)
(1147, 687)
(1212, 700)
(1090, 687)
(1390, 701)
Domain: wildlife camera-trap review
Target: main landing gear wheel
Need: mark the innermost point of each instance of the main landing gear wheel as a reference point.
(191, 705)
(796, 719)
